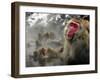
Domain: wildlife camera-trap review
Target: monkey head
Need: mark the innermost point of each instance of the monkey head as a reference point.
(71, 29)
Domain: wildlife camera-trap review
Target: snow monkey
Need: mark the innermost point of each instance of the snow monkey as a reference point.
(48, 56)
(76, 43)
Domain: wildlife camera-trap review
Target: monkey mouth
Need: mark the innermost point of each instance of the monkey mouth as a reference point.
(73, 28)
(70, 36)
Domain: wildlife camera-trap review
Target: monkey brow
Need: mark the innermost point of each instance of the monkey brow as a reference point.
(74, 22)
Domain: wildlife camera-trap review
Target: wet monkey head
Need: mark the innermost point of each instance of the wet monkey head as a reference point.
(75, 26)
(71, 28)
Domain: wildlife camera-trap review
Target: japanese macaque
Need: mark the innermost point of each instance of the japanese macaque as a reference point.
(76, 45)
(48, 56)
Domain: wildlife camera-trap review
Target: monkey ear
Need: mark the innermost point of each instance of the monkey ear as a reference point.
(86, 17)
(85, 24)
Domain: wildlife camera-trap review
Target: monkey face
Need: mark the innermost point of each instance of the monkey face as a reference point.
(72, 28)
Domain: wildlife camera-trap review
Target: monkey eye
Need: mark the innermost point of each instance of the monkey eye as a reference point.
(74, 25)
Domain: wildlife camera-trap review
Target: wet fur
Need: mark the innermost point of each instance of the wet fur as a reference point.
(76, 51)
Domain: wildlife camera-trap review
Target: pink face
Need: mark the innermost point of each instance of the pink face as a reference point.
(72, 29)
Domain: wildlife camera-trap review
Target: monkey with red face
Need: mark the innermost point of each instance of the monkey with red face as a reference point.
(76, 45)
